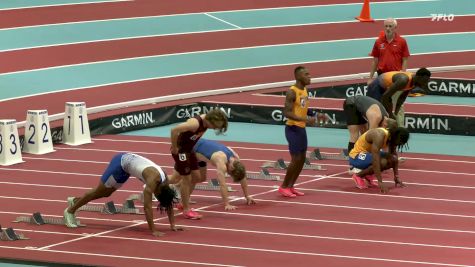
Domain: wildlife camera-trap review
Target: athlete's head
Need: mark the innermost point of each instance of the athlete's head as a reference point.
(398, 137)
(302, 75)
(237, 170)
(421, 79)
(166, 197)
(217, 120)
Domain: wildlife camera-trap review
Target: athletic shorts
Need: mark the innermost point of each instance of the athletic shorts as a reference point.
(364, 159)
(297, 139)
(185, 162)
(114, 176)
(375, 90)
(353, 116)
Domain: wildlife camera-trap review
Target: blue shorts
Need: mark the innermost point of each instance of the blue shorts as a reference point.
(114, 176)
(297, 139)
(364, 159)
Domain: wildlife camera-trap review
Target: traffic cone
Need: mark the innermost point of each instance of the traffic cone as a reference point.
(365, 15)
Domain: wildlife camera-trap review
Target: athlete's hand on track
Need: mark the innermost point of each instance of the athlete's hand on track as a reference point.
(250, 201)
(229, 207)
(158, 233)
(383, 188)
(177, 228)
(398, 182)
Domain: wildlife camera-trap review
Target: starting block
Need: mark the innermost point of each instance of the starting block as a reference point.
(212, 185)
(110, 208)
(316, 154)
(263, 175)
(10, 235)
(281, 165)
(39, 219)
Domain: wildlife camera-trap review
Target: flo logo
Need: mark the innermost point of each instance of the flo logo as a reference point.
(442, 17)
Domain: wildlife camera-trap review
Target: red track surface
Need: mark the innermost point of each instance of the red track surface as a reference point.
(153, 88)
(61, 14)
(139, 47)
(335, 224)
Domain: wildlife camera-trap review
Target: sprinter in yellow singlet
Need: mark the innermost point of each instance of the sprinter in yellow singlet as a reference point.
(368, 156)
(298, 115)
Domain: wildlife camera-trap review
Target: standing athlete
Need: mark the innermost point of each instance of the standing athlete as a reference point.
(183, 138)
(296, 111)
(121, 167)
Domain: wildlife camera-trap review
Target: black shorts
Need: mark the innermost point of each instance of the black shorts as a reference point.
(375, 90)
(353, 116)
(185, 162)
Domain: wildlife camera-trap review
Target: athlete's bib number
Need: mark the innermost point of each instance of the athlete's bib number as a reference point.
(362, 156)
(182, 156)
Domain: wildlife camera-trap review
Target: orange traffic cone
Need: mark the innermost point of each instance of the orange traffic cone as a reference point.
(365, 15)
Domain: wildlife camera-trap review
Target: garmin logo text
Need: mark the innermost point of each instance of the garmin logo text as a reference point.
(358, 90)
(278, 115)
(452, 87)
(427, 123)
(133, 120)
(198, 110)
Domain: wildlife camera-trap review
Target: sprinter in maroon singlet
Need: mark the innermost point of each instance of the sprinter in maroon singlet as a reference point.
(183, 138)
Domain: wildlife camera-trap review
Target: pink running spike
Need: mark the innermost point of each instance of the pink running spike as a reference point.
(297, 193)
(286, 192)
(359, 182)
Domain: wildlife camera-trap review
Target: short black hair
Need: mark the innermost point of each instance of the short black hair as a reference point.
(423, 72)
(167, 198)
(297, 69)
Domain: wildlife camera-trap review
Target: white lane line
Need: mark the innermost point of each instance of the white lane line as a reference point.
(263, 149)
(262, 216)
(222, 20)
(227, 11)
(123, 257)
(65, 4)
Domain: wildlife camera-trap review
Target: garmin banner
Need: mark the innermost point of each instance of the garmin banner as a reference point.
(133, 121)
(416, 123)
(465, 88)
(149, 118)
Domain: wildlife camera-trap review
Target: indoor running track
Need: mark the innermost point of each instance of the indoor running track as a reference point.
(428, 223)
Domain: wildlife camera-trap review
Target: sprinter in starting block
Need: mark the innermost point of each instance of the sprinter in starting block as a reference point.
(226, 161)
(121, 167)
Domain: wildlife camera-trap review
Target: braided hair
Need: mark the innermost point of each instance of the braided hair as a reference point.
(399, 138)
(166, 199)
